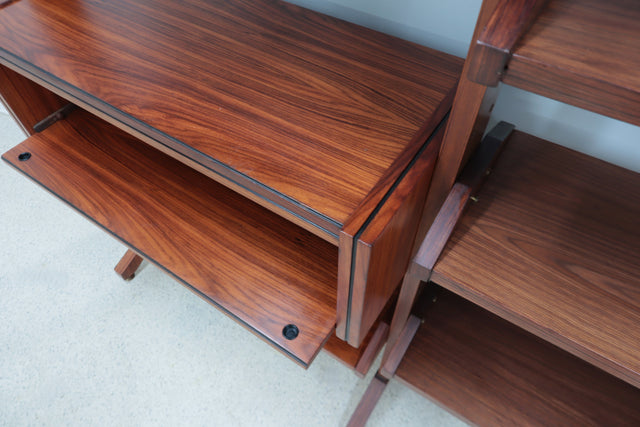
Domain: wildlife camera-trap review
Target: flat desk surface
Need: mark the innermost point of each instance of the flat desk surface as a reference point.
(306, 111)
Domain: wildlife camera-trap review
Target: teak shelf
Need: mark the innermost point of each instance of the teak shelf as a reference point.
(581, 52)
(552, 246)
(491, 372)
(274, 159)
(537, 246)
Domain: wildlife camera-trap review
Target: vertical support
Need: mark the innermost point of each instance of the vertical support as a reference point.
(408, 293)
(469, 117)
(368, 402)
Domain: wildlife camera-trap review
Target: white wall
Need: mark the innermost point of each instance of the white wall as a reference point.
(448, 26)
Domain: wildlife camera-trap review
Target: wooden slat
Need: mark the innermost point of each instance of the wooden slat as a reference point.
(254, 265)
(306, 111)
(552, 245)
(585, 53)
(492, 373)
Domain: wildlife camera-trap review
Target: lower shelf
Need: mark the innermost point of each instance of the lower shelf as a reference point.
(552, 245)
(491, 372)
(254, 265)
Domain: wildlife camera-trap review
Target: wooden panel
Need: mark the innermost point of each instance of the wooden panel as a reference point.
(384, 246)
(239, 86)
(254, 265)
(586, 53)
(493, 373)
(552, 245)
(370, 207)
(27, 102)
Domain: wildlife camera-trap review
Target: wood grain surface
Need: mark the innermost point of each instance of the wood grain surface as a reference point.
(469, 117)
(492, 373)
(306, 111)
(257, 267)
(585, 53)
(26, 101)
(510, 20)
(552, 245)
(383, 247)
(434, 242)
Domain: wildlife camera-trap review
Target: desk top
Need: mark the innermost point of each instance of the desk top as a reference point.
(304, 111)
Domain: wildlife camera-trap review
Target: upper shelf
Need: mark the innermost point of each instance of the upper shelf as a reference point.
(304, 111)
(581, 52)
(555, 240)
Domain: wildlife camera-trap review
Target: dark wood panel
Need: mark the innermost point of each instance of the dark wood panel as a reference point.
(384, 245)
(27, 102)
(241, 85)
(552, 245)
(586, 53)
(491, 372)
(254, 265)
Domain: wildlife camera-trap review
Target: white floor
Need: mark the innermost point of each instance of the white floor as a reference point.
(79, 346)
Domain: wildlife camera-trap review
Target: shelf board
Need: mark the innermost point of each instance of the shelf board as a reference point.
(491, 372)
(238, 86)
(552, 245)
(585, 53)
(257, 267)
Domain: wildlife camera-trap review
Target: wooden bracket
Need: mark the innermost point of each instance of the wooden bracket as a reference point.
(54, 117)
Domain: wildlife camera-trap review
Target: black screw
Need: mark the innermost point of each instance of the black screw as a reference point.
(24, 156)
(290, 332)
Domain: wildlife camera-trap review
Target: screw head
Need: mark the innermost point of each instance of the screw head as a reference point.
(290, 332)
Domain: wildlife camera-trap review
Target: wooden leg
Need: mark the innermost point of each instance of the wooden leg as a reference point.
(372, 350)
(386, 372)
(128, 265)
(368, 401)
(408, 292)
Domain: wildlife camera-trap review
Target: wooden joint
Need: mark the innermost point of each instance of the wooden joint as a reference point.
(511, 19)
(61, 114)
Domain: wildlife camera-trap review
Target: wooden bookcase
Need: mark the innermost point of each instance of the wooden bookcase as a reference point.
(273, 159)
(531, 314)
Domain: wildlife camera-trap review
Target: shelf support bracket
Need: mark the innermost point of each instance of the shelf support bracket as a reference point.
(54, 117)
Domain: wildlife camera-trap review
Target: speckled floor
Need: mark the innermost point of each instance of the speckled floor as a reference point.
(79, 346)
